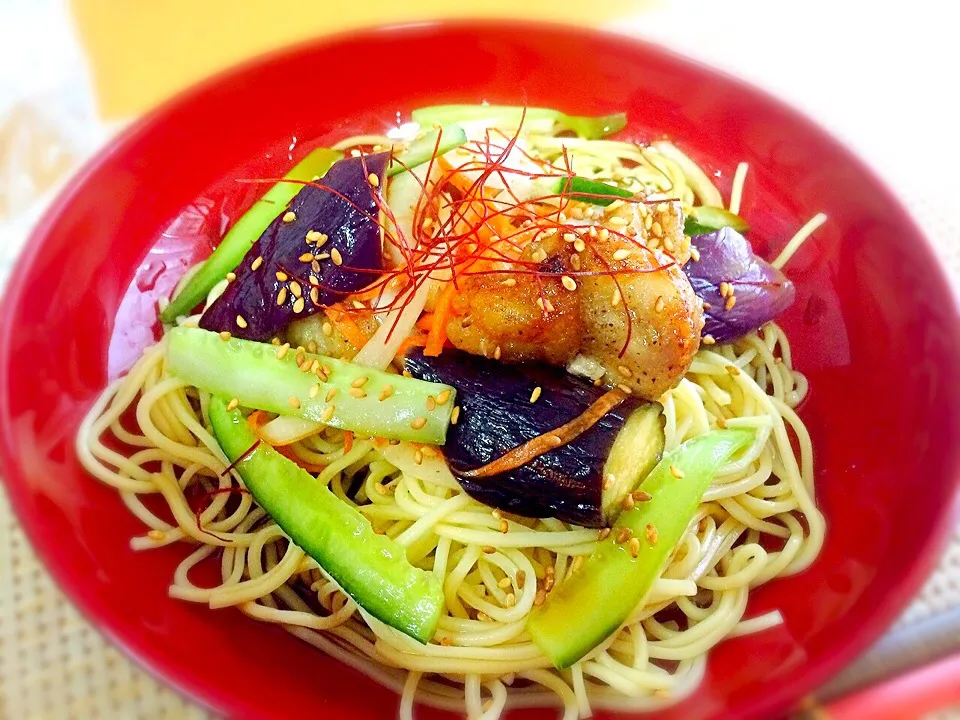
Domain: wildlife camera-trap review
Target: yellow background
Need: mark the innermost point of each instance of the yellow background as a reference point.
(144, 51)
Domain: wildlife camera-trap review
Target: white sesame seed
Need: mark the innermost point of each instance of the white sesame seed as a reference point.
(241, 322)
(289, 216)
(569, 283)
(282, 296)
(616, 296)
(336, 256)
(298, 305)
(233, 405)
(256, 263)
(373, 179)
(535, 395)
(621, 254)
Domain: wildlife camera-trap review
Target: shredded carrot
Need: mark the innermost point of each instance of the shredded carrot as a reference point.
(441, 316)
(289, 454)
(255, 420)
(411, 342)
(523, 454)
(347, 441)
(425, 322)
(347, 327)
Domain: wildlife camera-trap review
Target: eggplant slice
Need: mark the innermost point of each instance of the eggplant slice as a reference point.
(497, 415)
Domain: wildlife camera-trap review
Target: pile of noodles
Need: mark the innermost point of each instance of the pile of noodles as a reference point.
(757, 521)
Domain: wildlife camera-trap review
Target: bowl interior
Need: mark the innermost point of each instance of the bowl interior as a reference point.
(874, 328)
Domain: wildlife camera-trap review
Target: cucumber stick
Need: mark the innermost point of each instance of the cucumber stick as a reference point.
(706, 218)
(246, 231)
(509, 115)
(587, 607)
(580, 188)
(372, 569)
(366, 401)
(437, 142)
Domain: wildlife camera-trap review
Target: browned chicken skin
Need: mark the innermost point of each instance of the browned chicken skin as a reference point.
(632, 309)
(511, 317)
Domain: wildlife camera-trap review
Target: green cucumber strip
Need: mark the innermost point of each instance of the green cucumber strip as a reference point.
(590, 605)
(706, 218)
(635, 452)
(372, 569)
(586, 127)
(252, 373)
(579, 188)
(246, 231)
(422, 149)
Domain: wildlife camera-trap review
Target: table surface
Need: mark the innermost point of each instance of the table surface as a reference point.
(875, 82)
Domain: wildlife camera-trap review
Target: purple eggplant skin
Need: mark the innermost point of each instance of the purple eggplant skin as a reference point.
(762, 292)
(496, 415)
(352, 229)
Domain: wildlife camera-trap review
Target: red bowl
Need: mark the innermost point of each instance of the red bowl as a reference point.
(875, 328)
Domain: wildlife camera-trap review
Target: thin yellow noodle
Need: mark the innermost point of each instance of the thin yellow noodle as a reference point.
(757, 624)
(736, 190)
(797, 240)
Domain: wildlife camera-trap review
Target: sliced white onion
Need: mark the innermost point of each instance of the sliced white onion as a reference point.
(379, 351)
(585, 366)
(431, 469)
(284, 430)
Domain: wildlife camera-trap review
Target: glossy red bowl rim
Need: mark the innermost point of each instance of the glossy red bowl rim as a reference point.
(185, 680)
